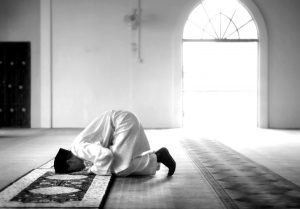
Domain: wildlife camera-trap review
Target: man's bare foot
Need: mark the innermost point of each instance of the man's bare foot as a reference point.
(164, 157)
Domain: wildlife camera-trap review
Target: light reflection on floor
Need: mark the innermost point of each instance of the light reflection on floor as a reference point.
(279, 150)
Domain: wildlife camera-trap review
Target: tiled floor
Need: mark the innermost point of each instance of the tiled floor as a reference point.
(279, 150)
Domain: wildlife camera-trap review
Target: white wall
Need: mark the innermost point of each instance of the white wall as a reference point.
(91, 60)
(20, 21)
(92, 43)
(282, 18)
(94, 68)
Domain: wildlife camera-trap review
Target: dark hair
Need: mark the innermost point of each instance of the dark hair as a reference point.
(60, 161)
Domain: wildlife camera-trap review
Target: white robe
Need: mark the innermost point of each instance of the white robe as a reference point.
(116, 143)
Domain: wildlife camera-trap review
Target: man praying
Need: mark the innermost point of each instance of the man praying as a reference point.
(115, 143)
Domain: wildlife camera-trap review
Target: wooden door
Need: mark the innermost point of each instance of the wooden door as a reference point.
(14, 84)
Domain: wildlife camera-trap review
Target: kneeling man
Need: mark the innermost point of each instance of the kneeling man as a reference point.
(115, 143)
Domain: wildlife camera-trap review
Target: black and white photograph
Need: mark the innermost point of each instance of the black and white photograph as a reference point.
(150, 104)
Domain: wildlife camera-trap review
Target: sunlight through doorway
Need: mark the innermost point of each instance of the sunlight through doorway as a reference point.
(220, 49)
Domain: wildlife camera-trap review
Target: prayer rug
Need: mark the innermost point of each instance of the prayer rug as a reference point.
(42, 188)
(238, 181)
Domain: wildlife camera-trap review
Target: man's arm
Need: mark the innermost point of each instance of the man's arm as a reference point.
(100, 156)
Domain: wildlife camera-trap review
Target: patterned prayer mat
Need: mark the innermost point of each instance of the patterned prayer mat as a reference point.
(238, 181)
(42, 188)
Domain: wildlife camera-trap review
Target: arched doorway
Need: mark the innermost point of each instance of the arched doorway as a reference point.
(220, 66)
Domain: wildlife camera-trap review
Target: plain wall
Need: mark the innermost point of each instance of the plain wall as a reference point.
(85, 46)
(95, 68)
(20, 21)
(282, 19)
(91, 60)
(152, 89)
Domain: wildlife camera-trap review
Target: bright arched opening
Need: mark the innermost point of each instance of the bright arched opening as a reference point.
(220, 67)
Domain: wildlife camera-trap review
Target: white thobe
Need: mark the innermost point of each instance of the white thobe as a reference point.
(115, 142)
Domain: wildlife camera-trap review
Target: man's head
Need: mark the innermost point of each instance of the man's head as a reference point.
(66, 162)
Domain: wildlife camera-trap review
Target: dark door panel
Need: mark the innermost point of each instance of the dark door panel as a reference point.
(15, 84)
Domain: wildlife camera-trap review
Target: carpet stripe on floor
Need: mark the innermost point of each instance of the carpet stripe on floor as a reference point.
(239, 181)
